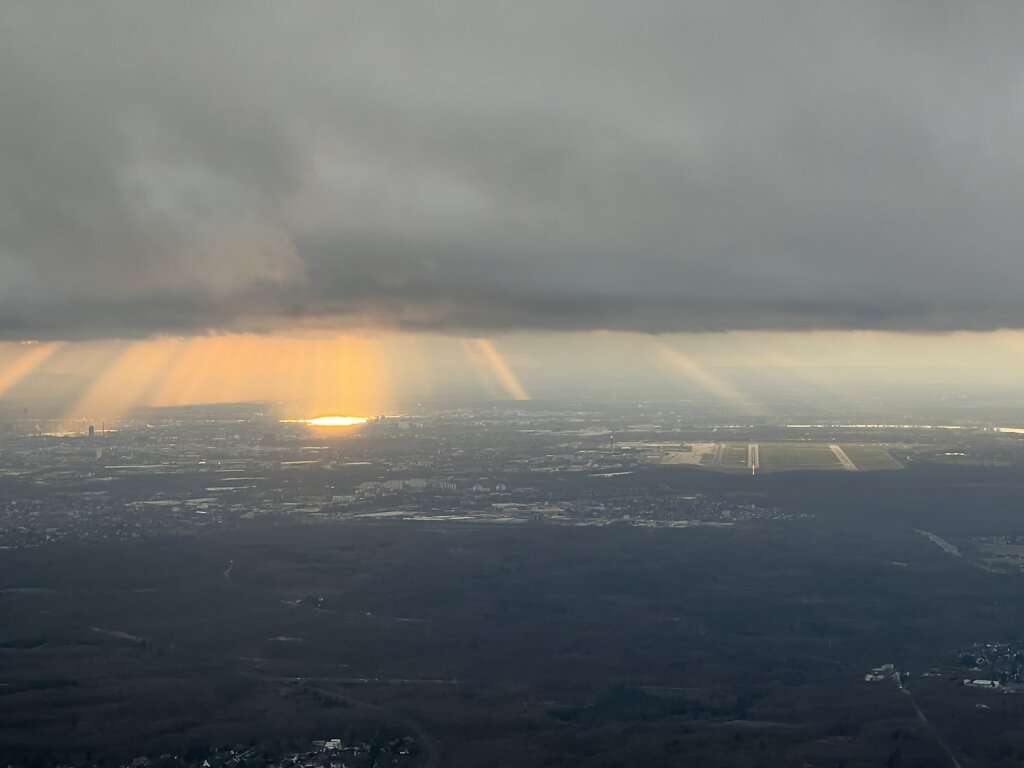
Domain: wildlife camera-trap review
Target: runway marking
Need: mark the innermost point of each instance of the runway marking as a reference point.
(843, 458)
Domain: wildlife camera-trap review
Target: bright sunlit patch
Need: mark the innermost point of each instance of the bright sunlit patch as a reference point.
(330, 421)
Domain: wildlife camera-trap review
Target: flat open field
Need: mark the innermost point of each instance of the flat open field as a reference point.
(779, 457)
(869, 457)
(731, 458)
(787, 456)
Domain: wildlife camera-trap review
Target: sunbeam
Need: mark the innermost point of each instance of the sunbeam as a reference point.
(502, 371)
(127, 383)
(703, 378)
(33, 356)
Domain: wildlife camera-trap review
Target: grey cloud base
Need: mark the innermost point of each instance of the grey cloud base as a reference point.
(670, 167)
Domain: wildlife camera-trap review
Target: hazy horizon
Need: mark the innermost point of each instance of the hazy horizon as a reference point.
(345, 207)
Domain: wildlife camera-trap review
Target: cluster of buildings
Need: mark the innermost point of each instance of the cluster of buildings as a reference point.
(993, 666)
(160, 476)
(985, 666)
(398, 752)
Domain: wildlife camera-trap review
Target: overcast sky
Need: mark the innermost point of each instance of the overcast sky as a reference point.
(482, 167)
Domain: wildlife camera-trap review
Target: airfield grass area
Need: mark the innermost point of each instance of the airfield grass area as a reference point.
(732, 458)
(779, 457)
(791, 456)
(870, 457)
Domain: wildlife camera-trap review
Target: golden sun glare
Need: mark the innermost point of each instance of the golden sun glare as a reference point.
(330, 421)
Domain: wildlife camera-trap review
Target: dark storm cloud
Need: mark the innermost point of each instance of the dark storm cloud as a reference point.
(178, 167)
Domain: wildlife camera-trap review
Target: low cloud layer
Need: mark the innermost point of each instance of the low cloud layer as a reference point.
(180, 167)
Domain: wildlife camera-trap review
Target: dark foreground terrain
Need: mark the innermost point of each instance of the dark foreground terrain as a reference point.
(455, 644)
